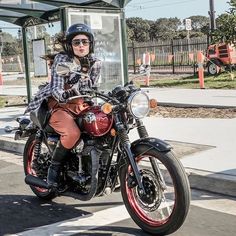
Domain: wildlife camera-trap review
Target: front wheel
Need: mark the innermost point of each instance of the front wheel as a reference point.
(165, 204)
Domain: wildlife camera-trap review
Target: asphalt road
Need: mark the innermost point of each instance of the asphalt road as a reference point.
(21, 213)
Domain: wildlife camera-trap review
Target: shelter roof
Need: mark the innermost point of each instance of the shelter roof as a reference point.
(28, 13)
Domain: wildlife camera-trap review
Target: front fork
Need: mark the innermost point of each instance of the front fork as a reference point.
(143, 134)
(123, 135)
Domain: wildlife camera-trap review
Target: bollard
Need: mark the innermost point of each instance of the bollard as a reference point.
(200, 60)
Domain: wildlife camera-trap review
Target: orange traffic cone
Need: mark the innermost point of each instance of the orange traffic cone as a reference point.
(200, 60)
(201, 77)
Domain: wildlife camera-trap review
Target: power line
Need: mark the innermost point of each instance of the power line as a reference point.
(162, 5)
(144, 2)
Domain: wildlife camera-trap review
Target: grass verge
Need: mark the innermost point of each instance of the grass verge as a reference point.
(225, 80)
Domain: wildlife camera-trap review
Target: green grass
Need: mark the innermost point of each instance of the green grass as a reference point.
(222, 81)
(2, 102)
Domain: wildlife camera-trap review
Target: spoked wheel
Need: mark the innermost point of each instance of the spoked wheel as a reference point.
(165, 204)
(37, 168)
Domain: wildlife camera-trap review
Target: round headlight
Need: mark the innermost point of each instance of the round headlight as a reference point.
(138, 104)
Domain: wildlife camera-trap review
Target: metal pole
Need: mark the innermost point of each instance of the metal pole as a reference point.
(27, 65)
(124, 48)
(134, 58)
(173, 58)
(212, 17)
(64, 19)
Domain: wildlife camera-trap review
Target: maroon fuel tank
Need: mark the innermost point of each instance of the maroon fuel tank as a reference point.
(95, 122)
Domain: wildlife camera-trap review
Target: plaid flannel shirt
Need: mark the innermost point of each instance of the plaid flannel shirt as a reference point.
(56, 87)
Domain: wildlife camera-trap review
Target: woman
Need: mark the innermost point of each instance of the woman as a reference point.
(78, 48)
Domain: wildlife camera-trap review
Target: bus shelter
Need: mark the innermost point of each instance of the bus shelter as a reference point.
(105, 17)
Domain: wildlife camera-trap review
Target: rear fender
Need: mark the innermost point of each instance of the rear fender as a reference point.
(141, 146)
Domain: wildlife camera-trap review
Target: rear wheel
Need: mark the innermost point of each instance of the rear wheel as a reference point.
(37, 167)
(164, 207)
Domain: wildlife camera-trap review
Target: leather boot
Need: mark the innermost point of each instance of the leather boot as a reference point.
(54, 169)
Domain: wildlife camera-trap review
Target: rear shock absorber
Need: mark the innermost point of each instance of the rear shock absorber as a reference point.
(38, 145)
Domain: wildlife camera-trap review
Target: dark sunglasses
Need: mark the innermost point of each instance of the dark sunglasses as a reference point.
(78, 42)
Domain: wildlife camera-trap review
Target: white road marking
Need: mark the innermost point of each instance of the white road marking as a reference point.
(216, 203)
(80, 224)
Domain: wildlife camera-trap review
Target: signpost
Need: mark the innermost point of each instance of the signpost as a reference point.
(188, 27)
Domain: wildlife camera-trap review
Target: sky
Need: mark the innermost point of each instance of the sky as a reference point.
(154, 9)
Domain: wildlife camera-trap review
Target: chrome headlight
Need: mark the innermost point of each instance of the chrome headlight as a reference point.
(138, 104)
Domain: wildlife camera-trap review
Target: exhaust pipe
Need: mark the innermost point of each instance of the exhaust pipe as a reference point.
(36, 182)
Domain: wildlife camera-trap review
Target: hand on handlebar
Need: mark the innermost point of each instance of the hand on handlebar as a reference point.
(70, 93)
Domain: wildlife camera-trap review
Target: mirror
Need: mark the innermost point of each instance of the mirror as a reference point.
(65, 68)
(62, 69)
(9, 129)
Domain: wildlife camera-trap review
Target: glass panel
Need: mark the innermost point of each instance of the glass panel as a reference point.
(10, 13)
(27, 4)
(107, 32)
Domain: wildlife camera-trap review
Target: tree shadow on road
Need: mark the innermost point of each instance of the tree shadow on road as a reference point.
(23, 212)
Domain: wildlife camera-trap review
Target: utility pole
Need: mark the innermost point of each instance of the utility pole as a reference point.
(212, 17)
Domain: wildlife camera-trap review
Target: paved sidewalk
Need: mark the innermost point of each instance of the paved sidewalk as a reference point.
(210, 162)
(194, 97)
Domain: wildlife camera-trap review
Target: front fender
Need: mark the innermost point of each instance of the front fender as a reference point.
(141, 146)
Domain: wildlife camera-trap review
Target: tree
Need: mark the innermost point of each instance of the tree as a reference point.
(165, 28)
(138, 29)
(10, 45)
(226, 30)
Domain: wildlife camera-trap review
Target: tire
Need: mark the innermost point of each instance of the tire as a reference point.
(28, 158)
(170, 205)
(213, 67)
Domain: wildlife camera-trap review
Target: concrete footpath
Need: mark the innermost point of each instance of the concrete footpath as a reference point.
(206, 147)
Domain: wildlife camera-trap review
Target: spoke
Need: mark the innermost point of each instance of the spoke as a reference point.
(167, 204)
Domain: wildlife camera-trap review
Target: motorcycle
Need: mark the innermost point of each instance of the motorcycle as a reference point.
(152, 181)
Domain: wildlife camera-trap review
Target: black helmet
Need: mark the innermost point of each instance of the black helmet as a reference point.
(76, 29)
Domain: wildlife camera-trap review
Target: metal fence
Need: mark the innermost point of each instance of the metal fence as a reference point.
(175, 56)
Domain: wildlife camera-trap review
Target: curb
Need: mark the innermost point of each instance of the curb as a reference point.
(212, 182)
(11, 145)
(186, 105)
(198, 179)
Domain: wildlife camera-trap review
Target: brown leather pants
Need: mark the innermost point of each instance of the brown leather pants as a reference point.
(62, 121)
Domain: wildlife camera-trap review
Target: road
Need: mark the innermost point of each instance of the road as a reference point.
(21, 213)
